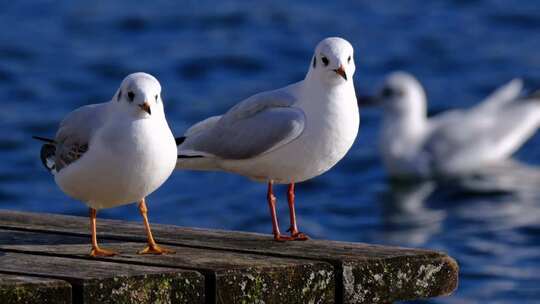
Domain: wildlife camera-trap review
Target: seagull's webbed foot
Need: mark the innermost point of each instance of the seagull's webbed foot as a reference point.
(156, 249)
(282, 238)
(99, 252)
(297, 235)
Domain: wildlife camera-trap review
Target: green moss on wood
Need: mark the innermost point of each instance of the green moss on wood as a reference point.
(168, 288)
(25, 291)
(299, 284)
(403, 278)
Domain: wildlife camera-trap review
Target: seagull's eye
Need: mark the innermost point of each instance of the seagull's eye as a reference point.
(156, 97)
(387, 92)
(349, 59)
(325, 60)
(131, 96)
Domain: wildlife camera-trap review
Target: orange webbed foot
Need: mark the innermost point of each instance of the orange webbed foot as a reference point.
(156, 249)
(282, 238)
(99, 252)
(297, 235)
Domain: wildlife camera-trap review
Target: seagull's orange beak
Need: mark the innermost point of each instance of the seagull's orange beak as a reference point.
(146, 107)
(341, 71)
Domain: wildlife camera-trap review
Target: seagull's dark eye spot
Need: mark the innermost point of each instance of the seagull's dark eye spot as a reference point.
(156, 97)
(325, 60)
(119, 95)
(387, 92)
(131, 96)
(349, 59)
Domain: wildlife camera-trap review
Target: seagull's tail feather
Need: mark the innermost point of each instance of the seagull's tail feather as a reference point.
(189, 159)
(179, 141)
(192, 160)
(197, 163)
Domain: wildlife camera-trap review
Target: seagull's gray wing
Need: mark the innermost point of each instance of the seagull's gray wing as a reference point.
(502, 96)
(477, 137)
(73, 137)
(253, 127)
(506, 93)
(202, 125)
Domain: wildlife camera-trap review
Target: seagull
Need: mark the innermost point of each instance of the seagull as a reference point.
(455, 143)
(284, 136)
(114, 153)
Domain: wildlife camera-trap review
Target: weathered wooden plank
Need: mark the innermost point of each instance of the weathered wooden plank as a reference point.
(235, 277)
(17, 289)
(105, 282)
(367, 273)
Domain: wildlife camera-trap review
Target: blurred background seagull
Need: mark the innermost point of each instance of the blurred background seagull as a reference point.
(114, 153)
(284, 136)
(454, 143)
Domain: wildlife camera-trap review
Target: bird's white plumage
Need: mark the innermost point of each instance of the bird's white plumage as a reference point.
(130, 152)
(287, 135)
(456, 142)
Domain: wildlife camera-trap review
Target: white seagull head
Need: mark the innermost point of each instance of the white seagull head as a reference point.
(401, 93)
(140, 95)
(333, 61)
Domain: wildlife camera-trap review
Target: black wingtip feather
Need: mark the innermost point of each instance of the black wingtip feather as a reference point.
(179, 140)
(44, 139)
(190, 156)
(47, 151)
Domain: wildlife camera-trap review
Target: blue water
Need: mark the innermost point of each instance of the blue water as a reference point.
(55, 57)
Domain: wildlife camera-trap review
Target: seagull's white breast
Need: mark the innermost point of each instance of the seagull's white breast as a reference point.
(126, 161)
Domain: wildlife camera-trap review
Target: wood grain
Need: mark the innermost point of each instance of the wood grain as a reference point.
(364, 273)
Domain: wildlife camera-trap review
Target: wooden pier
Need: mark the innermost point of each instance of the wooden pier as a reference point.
(44, 259)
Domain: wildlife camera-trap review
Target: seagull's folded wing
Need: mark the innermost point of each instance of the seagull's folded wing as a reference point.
(257, 125)
(503, 95)
(479, 137)
(75, 132)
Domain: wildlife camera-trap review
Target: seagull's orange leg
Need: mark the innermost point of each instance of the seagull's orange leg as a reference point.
(272, 205)
(153, 247)
(96, 251)
(295, 234)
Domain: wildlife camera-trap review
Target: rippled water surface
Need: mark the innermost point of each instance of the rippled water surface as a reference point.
(55, 57)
